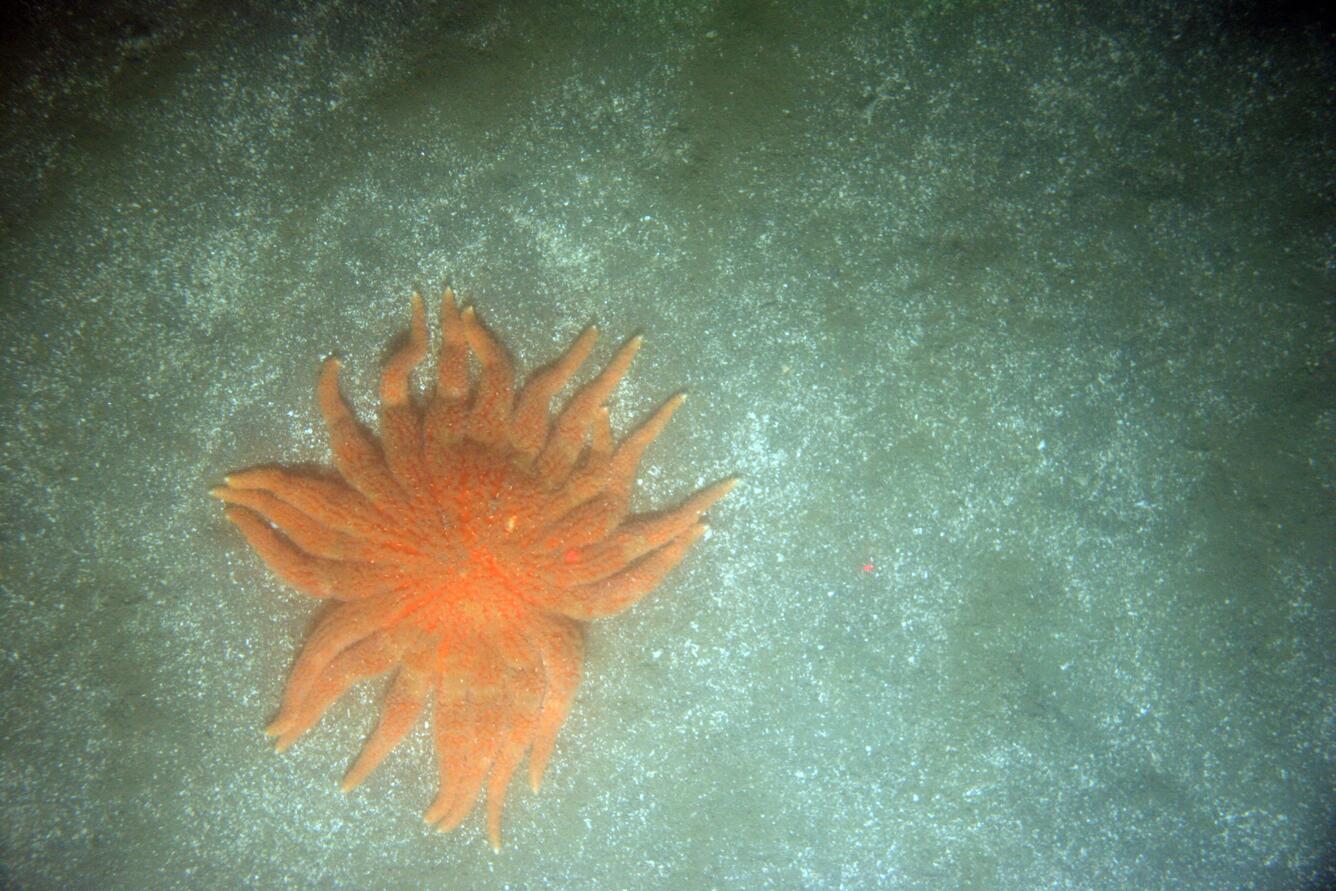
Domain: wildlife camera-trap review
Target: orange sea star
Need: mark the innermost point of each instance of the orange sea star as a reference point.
(465, 549)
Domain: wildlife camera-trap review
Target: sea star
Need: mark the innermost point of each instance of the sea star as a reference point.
(465, 551)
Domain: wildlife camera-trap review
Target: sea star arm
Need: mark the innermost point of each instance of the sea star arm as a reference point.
(492, 395)
(529, 422)
(446, 417)
(367, 658)
(566, 441)
(356, 455)
(290, 564)
(452, 373)
(585, 524)
(344, 625)
(524, 693)
(400, 421)
(305, 533)
(309, 536)
(467, 728)
(328, 501)
(403, 704)
(614, 594)
(595, 498)
(338, 579)
(394, 377)
(622, 468)
(560, 642)
(637, 537)
(585, 484)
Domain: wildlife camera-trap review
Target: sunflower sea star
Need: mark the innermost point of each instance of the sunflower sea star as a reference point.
(465, 551)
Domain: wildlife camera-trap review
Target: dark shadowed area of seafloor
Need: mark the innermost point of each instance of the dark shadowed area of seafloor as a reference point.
(1016, 320)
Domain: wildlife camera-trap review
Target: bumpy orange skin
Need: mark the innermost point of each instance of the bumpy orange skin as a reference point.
(464, 551)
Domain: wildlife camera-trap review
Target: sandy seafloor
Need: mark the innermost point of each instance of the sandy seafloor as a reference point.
(1016, 320)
